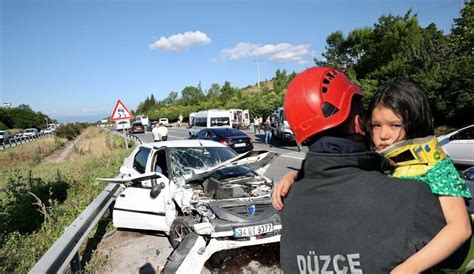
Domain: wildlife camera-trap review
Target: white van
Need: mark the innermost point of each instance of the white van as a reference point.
(122, 125)
(142, 119)
(210, 118)
(240, 118)
(280, 128)
(164, 121)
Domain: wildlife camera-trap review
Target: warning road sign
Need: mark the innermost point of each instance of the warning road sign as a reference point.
(121, 112)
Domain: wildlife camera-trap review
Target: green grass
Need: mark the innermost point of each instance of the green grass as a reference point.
(29, 227)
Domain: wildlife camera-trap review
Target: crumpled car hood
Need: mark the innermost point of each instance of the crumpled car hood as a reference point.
(257, 160)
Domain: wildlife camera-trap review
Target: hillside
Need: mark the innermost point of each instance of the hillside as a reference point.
(266, 84)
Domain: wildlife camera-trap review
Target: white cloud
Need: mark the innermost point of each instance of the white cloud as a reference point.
(181, 41)
(282, 52)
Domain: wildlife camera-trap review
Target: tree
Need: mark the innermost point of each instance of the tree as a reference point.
(214, 91)
(171, 99)
(227, 92)
(191, 95)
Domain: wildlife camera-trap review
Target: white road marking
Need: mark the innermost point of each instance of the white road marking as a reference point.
(293, 157)
(177, 137)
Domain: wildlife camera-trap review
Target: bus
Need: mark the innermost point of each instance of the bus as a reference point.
(210, 118)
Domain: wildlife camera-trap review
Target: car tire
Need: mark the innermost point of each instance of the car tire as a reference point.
(180, 227)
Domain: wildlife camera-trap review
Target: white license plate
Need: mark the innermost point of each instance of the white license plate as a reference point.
(252, 230)
(240, 145)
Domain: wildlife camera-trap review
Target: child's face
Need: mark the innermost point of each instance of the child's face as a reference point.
(386, 126)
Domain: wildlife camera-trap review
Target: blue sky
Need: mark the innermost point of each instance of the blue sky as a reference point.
(76, 58)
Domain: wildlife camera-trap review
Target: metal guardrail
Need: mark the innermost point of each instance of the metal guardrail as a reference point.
(21, 140)
(65, 250)
(128, 136)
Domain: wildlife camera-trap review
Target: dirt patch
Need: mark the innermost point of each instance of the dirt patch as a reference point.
(134, 252)
(137, 252)
(62, 154)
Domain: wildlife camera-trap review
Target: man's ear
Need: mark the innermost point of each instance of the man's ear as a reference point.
(359, 125)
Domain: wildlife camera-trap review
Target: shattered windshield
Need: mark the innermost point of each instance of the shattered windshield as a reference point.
(185, 159)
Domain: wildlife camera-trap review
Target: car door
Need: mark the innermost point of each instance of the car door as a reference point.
(211, 136)
(461, 146)
(135, 207)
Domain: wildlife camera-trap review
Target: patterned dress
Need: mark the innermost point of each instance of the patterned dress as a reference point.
(444, 180)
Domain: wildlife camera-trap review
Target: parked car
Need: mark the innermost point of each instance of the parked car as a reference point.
(459, 145)
(233, 138)
(5, 135)
(201, 186)
(30, 132)
(468, 176)
(137, 127)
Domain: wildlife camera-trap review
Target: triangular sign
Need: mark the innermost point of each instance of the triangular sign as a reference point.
(121, 112)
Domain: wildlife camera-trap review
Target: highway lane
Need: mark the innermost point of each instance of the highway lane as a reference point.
(290, 158)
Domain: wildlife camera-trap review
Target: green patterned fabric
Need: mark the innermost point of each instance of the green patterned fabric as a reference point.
(443, 179)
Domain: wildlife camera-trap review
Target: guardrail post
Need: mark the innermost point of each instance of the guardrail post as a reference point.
(76, 263)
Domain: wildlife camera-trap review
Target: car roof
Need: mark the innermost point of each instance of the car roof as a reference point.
(184, 143)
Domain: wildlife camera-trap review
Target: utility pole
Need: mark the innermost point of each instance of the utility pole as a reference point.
(258, 73)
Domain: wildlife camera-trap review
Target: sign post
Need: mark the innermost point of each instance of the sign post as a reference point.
(121, 112)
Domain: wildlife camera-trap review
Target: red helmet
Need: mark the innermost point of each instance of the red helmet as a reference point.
(317, 99)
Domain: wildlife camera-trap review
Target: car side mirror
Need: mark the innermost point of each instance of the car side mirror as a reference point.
(125, 170)
(156, 190)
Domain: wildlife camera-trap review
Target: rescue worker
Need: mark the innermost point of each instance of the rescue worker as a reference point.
(342, 214)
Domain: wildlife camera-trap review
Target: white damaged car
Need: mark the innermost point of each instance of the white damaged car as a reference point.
(198, 186)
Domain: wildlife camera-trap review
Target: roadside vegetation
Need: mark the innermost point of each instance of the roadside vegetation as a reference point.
(395, 46)
(22, 117)
(38, 200)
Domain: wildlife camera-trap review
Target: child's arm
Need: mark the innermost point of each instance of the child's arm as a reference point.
(451, 237)
(282, 188)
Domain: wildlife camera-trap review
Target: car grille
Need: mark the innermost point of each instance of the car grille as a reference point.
(243, 211)
(240, 213)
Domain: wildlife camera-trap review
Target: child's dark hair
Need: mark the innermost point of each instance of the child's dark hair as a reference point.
(409, 102)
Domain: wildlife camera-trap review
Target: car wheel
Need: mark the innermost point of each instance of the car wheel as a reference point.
(180, 227)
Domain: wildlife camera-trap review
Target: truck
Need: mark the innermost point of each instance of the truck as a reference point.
(280, 128)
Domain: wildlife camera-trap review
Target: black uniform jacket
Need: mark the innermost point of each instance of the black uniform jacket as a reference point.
(345, 216)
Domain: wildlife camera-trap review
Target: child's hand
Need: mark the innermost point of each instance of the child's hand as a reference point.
(404, 269)
(282, 188)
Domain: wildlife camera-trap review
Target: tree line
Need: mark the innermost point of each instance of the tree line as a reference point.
(394, 47)
(22, 117)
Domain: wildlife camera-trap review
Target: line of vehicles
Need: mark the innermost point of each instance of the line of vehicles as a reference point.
(223, 125)
(6, 135)
(141, 124)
